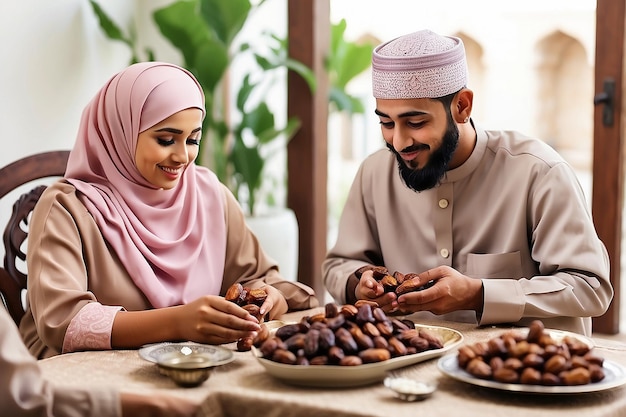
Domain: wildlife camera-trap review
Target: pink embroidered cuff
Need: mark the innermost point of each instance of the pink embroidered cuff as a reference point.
(91, 328)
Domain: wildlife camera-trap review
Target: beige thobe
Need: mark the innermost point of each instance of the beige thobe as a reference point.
(513, 215)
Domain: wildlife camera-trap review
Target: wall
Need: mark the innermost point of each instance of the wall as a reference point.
(54, 58)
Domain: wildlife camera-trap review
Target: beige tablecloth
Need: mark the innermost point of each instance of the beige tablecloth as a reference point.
(243, 388)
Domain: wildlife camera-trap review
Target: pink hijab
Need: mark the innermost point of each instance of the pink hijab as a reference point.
(171, 242)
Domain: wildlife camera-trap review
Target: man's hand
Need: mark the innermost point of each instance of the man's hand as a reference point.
(450, 292)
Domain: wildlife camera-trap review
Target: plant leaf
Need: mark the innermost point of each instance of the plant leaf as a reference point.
(225, 17)
(339, 99)
(278, 61)
(259, 120)
(108, 26)
(344, 62)
(356, 59)
(304, 71)
(337, 39)
(244, 93)
(180, 23)
(293, 124)
(344, 101)
(248, 165)
(211, 62)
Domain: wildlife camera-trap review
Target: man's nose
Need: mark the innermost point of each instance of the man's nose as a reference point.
(402, 139)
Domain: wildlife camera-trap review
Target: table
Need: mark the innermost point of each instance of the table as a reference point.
(243, 388)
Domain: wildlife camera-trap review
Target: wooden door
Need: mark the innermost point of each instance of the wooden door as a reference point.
(608, 160)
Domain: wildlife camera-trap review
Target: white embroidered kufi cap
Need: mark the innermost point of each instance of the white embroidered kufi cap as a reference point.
(419, 65)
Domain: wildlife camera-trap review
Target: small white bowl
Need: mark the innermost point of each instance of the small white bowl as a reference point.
(409, 389)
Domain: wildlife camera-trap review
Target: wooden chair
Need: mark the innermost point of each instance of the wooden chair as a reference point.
(16, 175)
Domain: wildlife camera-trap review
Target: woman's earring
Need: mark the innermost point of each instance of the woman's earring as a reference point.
(466, 120)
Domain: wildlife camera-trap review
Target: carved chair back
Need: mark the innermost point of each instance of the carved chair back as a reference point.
(14, 176)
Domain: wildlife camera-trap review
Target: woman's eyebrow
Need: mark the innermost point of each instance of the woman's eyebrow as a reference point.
(169, 130)
(176, 131)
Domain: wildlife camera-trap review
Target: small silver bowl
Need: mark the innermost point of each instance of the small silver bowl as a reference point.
(409, 389)
(187, 369)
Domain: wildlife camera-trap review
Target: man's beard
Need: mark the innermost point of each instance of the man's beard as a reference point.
(420, 179)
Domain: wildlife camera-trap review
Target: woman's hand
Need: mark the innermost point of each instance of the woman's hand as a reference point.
(370, 289)
(214, 320)
(275, 304)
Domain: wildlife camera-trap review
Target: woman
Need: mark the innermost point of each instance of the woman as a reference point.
(136, 244)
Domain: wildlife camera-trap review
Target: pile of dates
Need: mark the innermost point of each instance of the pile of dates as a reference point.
(397, 282)
(535, 358)
(250, 300)
(347, 335)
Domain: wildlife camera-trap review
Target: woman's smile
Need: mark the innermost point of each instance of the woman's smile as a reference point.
(171, 172)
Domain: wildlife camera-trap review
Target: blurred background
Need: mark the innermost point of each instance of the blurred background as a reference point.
(531, 68)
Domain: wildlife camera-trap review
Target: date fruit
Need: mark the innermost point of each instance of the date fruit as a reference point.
(250, 299)
(348, 335)
(536, 358)
(397, 281)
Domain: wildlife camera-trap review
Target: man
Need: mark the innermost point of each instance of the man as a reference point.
(494, 223)
(24, 392)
